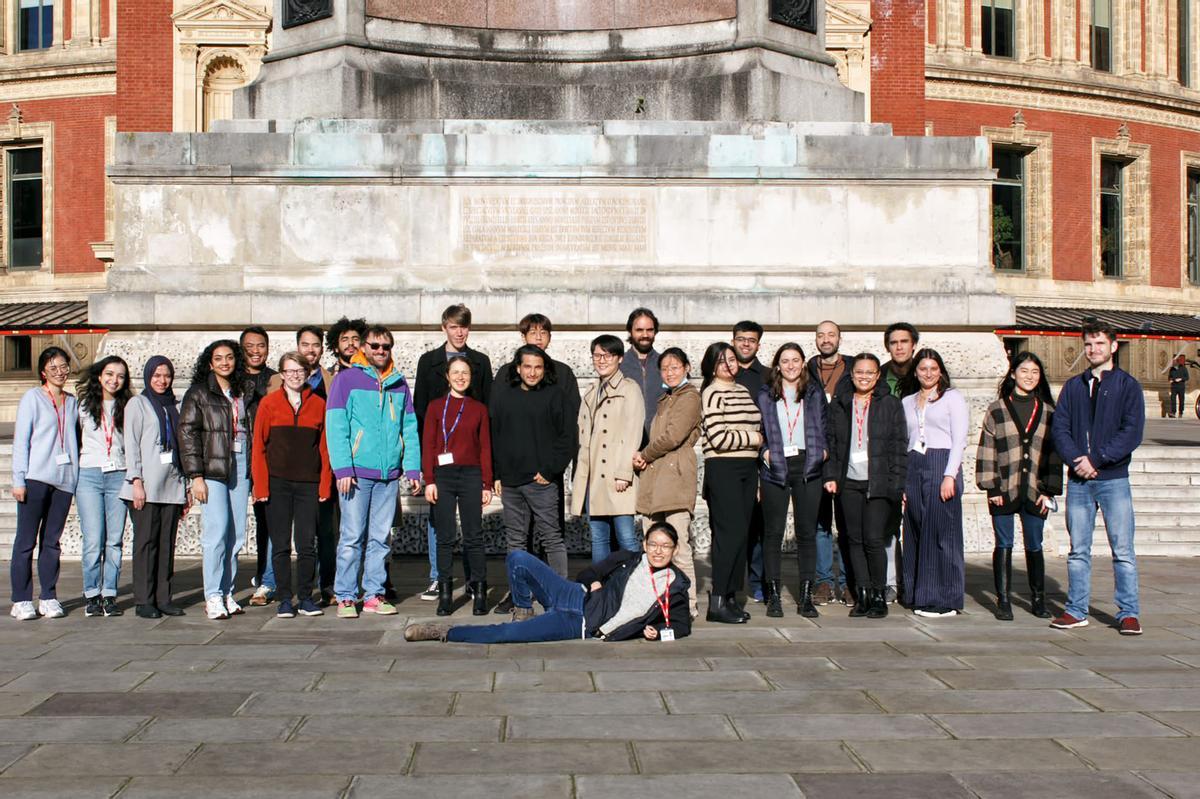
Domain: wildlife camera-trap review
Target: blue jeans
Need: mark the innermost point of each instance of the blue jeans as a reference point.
(602, 528)
(1004, 528)
(1116, 502)
(223, 528)
(102, 525)
(431, 539)
(529, 579)
(828, 553)
(367, 514)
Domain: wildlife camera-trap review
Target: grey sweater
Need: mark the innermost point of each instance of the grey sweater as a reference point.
(164, 483)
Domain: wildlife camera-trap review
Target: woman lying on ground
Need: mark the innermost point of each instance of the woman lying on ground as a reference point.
(626, 595)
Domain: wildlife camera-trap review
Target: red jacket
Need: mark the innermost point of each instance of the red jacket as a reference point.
(290, 444)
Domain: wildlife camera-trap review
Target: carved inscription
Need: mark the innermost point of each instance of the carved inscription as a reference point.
(555, 224)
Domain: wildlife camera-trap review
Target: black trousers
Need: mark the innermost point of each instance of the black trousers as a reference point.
(729, 488)
(1178, 400)
(459, 488)
(154, 529)
(328, 519)
(867, 520)
(40, 521)
(262, 535)
(805, 499)
(292, 511)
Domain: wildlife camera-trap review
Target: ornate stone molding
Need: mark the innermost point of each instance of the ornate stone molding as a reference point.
(204, 32)
(1039, 191)
(1135, 206)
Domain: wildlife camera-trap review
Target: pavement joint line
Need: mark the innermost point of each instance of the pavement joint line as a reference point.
(190, 755)
(1050, 659)
(454, 696)
(1140, 776)
(1177, 660)
(856, 758)
(1073, 695)
(291, 734)
(121, 788)
(345, 792)
(142, 681)
(871, 698)
(936, 721)
(1078, 756)
(736, 731)
(249, 698)
(966, 787)
(634, 763)
(1150, 715)
(503, 729)
(145, 725)
(933, 676)
(411, 763)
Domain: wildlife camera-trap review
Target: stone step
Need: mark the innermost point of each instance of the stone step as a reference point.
(1164, 479)
(1153, 519)
(1189, 465)
(1156, 492)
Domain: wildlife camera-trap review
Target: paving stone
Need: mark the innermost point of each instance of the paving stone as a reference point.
(316, 662)
(54, 681)
(552, 703)
(104, 760)
(1141, 698)
(841, 786)
(408, 681)
(750, 757)
(1120, 662)
(107, 635)
(1187, 720)
(14, 650)
(632, 727)
(523, 758)
(894, 662)
(324, 635)
(985, 647)
(993, 755)
(682, 681)
(546, 681)
(405, 728)
(180, 703)
(526, 786)
(1024, 679)
(773, 702)
(404, 665)
(964, 701)
(105, 652)
(1111, 785)
(11, 753)
(867, 632)
(851, 679)
(829, 649)
(230, 681)
(1177, 784)
(300, 757)
(643, 664)
(1008, 662)
(17, 704)
(233, 730)
(1053, 725)
(259, 652)
(709, 786)
(1155, 678)
(166, 666)
(1136, 753)
(278, 786)
(348, 703)
(62, 730)
(59, 787)
(835, 726)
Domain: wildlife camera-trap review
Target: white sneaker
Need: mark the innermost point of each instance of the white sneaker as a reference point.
(430, 594)
(51, 608)
(214, 606)
(23, 611)
(231, 606)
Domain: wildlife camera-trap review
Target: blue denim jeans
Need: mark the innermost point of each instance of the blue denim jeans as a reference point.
(1004, 528)
(431, 539)
(367, 514)
(1114, 499)
(828, 553)
(101, 524)
(602, 528)
(223, 528)
(529, 579)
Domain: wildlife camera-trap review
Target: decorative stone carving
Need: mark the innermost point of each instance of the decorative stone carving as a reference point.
(300, 12)
(799, 14)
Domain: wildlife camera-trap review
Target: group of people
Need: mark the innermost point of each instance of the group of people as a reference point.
(872, 450)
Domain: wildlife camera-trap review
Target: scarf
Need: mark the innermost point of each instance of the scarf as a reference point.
(164, 406)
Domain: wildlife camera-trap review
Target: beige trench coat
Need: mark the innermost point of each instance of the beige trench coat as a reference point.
(609, 435)
(668, 483)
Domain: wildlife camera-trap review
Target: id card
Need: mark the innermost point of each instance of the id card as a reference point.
(858, 457)
(446, 459)
(108, 467)
(237, 446)
(666, 634)
(62, 459)
(166, 458)
(919, 448)
(791, 452)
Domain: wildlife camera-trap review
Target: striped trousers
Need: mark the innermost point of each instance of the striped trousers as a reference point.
(932, 554)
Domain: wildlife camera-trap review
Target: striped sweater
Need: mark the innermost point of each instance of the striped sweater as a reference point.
(732, 422)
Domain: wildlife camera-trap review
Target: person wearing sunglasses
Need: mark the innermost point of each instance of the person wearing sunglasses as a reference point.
(371, 435)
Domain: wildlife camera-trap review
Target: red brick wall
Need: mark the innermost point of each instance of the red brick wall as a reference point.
(898, 65)
(144, 64)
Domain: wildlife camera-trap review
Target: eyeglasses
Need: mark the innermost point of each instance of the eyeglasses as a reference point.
(376, 345)
(58, 370)
(603, 356)
(745, 340)
(659, 547)
(295, 372)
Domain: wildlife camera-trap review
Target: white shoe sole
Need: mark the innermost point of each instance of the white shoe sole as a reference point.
(1083, 623)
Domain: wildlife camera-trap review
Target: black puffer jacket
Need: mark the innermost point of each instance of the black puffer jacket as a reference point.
(206, 433)
(602, 604)
(887, 442)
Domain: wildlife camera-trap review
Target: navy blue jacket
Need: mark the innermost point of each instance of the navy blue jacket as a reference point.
(1109, 439)
(602, 604)
(815, 446)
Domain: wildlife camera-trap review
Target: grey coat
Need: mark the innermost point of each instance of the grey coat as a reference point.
(163, 482)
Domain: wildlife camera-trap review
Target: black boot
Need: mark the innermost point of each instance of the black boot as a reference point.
(737, 607)
(771, 599)
(720, 612)
(1002, 579)
(879, 605)
(505, 607)
(445, 605)
(1035, 564)
(861, 603)
(805, 606)
(479, 593)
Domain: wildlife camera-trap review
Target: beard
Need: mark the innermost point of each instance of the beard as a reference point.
(642, 346)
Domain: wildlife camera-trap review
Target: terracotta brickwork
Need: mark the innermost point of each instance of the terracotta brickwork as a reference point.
(898, 64)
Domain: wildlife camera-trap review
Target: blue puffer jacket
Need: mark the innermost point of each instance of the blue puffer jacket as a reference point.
(1109, 439)
(815, 443)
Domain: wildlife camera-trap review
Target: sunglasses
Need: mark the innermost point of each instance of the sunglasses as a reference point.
(379, 346)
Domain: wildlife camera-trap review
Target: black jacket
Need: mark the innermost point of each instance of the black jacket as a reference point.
(564, 381)
(752, 376)
(431, 383)
(844, 383)
(531, 434)
(887, 442)
(602, 604)
(206, 432)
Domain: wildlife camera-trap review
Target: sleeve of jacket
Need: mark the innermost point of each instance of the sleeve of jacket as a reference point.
(721, 437)
(833, 464)
(324, 490)
(420, 397)
(1060, 427)
(428, 444)
(570, 389)
(274, 382)
(191, 434)
(986, 477)
(133, 441)
(22, 438)
(898, 448)
(485, 377)
(821, 405)
(1129, 429)
(763, 401)
(337, 426)
(1050, 470)
(631, 435)
(598, 572)
(260, 476)
(563, 446)
(680, 423)
(581, 420)
(485, 449)
(412, 441)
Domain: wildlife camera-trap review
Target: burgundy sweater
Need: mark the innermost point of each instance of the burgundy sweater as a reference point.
(470, 441)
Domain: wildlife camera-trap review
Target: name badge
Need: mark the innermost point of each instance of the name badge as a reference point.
(166, 458)
(858, 457)
(62, 459)
(108, 467)
(920, 447)
(445, 459)
(237, 446)
(791, 452)
(666, 634)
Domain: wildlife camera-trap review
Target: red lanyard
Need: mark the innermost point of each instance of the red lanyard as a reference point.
(663, 600)
(792, 422)
(860, 420)
(1032, 416)
(60, 416)
(233, 404)
(108, 430)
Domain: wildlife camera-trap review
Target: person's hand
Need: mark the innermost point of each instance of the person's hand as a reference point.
(997, 501)
(344, 484)
(622, 485)
(19, 494)
(199, 490)
(139, 494)
(497, 489)
(767, 457)
(947, 488)
(824, 455)
(431, 494)
(259, 500)
(414, 487)
(487, 497)
(1043, 503)
(831, 486)
(639, 462)
(651, 633)
(542, 481)
(322, 499)
(595, 586)
(1084, 468)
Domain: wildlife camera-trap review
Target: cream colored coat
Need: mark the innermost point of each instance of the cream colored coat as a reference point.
(610, 433)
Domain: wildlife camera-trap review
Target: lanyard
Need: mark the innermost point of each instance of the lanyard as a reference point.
(233, 403)
(1032, 416)
(60, 417)
(108, 430)
(792, 422)
(860, 420)
(445, 435)
(664, 600)
(169, 444)
(921, 409)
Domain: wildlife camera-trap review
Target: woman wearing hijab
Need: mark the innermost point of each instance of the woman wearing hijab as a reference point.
(154, 488)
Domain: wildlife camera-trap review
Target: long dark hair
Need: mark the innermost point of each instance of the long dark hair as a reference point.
(712, 356)
(91, 393)
(912, 385)
(1041, 390)
(203, 367)
(775, 377)
(548, 376)
(48, 355)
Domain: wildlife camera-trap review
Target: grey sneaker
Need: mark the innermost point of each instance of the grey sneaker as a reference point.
(430, 594)
(426, 631)
(890, 595)
(522, 614)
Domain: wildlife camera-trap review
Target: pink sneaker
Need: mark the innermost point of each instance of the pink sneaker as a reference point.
(379, 606)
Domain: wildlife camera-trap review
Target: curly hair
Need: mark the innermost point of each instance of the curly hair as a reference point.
(341, 326)
(203, 367)
(91, 393)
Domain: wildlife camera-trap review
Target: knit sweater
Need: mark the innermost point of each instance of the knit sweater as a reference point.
(731, 420)
(470, 436)
(41, 434)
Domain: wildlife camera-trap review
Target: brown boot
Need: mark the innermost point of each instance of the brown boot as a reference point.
(823, 595)
(522, 614)
(426, 631)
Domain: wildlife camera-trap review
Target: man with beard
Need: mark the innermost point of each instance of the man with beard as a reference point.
(641, 360)
(901, 339)
(310, 343)
(255, 347)
(344, 340)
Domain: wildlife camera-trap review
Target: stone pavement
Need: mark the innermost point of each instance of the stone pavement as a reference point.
(835, 707)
